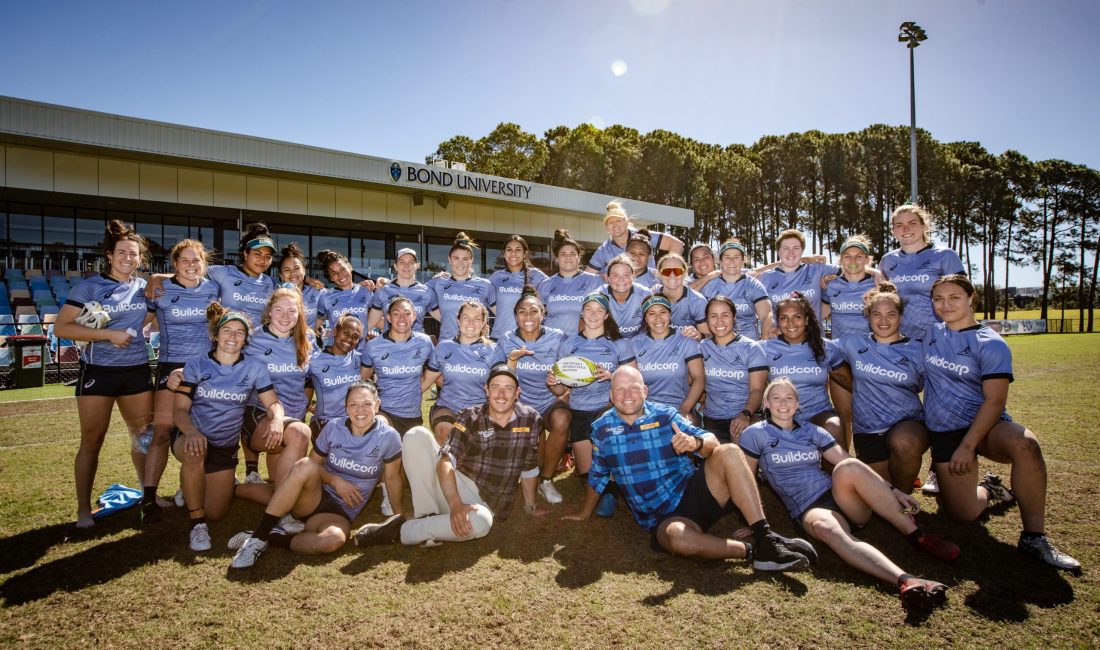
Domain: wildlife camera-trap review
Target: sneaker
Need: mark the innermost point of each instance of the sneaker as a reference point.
(386, 507)
(995, 489)
(248, 554)
(938, 547)
(200, 538)
(931, 484)
(178, 498)
(549, 492)
(920, 595)
(607, 505)
(799, 545)
(253, 478)
(291, 525)
(149, 513)
(1042, 548)
(386, 532)
(238, 540)
(773, 555)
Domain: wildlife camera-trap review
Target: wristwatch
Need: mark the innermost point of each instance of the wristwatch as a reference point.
(747, 413)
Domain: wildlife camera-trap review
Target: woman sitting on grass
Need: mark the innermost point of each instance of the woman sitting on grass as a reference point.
(789, 453)
(328, 489)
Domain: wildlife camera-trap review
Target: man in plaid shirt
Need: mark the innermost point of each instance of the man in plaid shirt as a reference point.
(458, 490)
(651, 451)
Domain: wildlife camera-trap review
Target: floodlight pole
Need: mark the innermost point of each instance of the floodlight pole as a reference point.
(912, 35)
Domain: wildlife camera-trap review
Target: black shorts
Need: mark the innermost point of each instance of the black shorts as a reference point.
(403, 424)
(697, 505)
(218, 459)
(328, 505)
(315, 426)
(113, 381)
(580, 427)
(871, 447)
(720, 428)
(252, 417)
(944, 444)
(165, 368)
(440, 414)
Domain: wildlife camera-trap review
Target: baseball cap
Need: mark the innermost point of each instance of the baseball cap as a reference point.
(262, 241)
(407, 251)
(501, 369)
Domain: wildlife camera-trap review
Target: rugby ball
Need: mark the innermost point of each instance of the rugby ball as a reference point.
(574, 371)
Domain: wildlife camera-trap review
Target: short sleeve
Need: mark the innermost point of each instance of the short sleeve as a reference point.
(750, 441)
(757, 359)
(625, 350)
(834, 356)
(822, 439)
(691, 349)
(217, 272)
(756, 291)
(434, 363)
(950, 262)
(262, 379)
(996, 359)
(391, 446)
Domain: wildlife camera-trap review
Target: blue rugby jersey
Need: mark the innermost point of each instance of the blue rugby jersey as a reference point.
(790, 461)
(913, 275)
(608, 250)
(887, 379)
(845, 300)
(805, 279)
(280, 357)
(649, 279)
(797, 363)
(181, 317)
(330, 375)
(398, 366)
(562, 297)
(664, 365)
(508, 286)
(334, 303)
(640, 457)
(603, 352)
(531, 369)
(745, 292)
(310, 298)
(241, 292)
(359, 460)
(464, 367)
(448, 295)
(125, 303)
(219, 394)
(418, 294)
(690, 309)
(628, 313)
(727, 368)
(955, 365)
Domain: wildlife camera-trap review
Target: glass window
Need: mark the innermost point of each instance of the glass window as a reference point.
(286, 234)
(335, 240)
(368, 255)
(89, 238)
(25, 222)
(436, 259)
(203, 230)
(4, 226)
(57, 227)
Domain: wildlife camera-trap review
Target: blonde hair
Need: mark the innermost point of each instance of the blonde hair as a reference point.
(615, 210)
(782, 381)
(924, 215)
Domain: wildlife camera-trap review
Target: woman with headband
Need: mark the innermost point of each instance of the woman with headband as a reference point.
(619, 232)
(562, 292)
(671, 364)
(518, 272)
(750, 300)
(452, 291)
(625, 297)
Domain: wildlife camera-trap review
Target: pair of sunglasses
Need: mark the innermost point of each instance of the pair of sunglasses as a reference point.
(670, 271)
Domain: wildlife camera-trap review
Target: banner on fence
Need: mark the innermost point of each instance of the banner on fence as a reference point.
(1023, 326)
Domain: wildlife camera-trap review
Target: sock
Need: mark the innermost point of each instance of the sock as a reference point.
(148, 495)
(905, 577)
(914, 536)
(251, 466)
(543, 477)
(760, 530)
(198, 520)
(263, 531)
(1027, 534)
(280, 540)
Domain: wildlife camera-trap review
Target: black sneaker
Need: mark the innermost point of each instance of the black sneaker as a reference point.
(771, 554)
(1042, 548)
(920, 595)
(149, 513)
(386, 532)
(995, 489)
(799, 545)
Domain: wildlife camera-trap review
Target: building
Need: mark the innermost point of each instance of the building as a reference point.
(65, 171)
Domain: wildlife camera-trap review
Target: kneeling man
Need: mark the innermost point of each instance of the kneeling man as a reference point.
(678, 481)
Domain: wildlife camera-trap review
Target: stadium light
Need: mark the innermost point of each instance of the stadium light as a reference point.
(912, 35)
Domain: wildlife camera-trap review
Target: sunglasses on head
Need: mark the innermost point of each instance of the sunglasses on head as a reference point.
(672, 271)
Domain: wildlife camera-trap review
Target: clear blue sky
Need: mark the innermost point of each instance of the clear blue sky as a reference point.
(395, 79)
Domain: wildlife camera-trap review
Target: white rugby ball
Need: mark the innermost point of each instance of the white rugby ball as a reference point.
(575, 371)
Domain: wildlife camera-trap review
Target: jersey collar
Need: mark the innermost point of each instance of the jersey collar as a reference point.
(240, 358)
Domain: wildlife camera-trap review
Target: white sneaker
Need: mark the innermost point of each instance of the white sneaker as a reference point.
(549, 492)
(931, 484)
(248, 554)
(238, 540)
(200, 538)
(253, 478)
(386, 507)
(179, 498)
(291, 525)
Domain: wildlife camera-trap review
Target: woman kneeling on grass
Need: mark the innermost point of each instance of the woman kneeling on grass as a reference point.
(209, 415)
(328, 489)
(790, 453)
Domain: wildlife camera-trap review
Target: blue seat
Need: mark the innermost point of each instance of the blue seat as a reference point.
(39, 282)
(5, 357)
(13, 274)
(49, 309)
(7, 327)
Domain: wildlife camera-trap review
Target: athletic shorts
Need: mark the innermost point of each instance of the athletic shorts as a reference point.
(113, 381)
(440, 414)
(944, 444)
(697, 505)
(165, 368)
(315, 426)
(580, 427)
(252, 417)
(720, 428)
(328, 505)
(403, 424)
(218, 459)
(871, 447)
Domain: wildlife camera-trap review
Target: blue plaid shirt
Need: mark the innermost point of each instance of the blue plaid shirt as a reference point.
(640, 458)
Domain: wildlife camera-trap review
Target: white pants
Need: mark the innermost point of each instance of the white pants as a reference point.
(419, 455)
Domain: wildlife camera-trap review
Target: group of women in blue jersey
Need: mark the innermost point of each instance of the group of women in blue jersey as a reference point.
(707, 344)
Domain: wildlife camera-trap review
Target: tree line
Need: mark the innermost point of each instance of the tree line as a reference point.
(1045, 214)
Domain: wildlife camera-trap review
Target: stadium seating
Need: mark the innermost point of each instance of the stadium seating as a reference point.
(29, 324)
(7, 325)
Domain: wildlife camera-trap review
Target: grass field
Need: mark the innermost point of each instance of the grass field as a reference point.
(539, 583)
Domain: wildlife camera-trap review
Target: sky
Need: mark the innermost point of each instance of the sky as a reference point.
(395, 79)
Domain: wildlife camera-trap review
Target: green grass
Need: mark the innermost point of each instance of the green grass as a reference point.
(539, 582)
(52, 391)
